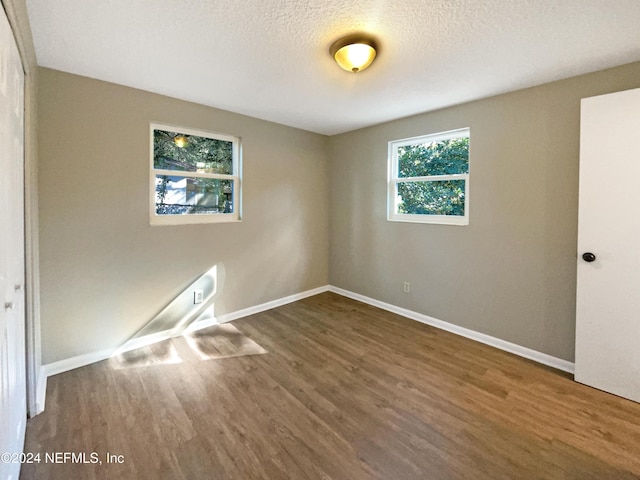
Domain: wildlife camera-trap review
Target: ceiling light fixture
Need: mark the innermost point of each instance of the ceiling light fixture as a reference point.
(354, 52)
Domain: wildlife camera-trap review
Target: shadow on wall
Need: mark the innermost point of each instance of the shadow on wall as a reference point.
(192, 310)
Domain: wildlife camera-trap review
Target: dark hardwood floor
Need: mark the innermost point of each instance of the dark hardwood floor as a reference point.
(344, 391)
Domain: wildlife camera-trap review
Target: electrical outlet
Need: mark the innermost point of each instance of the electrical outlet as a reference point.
(407, 287)
(198, 296)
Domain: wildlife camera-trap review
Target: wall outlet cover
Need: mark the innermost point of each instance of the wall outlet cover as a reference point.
(198, 296)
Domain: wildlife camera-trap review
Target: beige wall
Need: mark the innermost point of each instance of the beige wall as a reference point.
(511, 272)
(105, 272)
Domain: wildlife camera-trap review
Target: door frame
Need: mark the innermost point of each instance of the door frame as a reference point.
(36, 377)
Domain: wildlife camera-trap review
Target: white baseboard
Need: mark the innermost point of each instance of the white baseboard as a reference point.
(78, 361)
(92, 357)
(228, 317)
(245, 312)
(521, 351)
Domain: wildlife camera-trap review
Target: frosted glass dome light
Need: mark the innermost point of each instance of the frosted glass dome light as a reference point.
(354, 53)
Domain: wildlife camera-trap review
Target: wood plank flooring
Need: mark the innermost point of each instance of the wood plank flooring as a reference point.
(345, 391)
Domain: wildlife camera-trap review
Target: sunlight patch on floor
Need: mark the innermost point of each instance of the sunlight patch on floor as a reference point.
(211, 343)
(222, 341)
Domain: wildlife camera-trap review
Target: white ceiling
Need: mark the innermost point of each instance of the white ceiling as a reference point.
(269, 58)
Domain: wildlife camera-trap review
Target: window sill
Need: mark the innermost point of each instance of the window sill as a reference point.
(156, 220)
(430, 219)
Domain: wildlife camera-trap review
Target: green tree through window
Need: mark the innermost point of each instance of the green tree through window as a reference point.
(429, 178)
(195, 176)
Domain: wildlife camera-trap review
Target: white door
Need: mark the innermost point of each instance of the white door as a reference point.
(12, 301)
(608, 294)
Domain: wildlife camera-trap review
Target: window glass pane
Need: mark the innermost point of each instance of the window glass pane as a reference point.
(191, 153)
(443, 157)
(187, 195)
(432, 198)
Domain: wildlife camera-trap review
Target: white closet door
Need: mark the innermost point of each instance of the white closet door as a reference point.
(12, 300)
(608, 295)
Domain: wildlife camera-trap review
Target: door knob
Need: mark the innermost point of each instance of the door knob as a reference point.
(588, 257)
(8, 305)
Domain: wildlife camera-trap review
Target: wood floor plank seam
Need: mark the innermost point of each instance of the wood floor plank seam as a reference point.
(345, 391)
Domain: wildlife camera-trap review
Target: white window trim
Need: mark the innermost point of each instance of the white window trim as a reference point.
(236, 159)
(393, 180)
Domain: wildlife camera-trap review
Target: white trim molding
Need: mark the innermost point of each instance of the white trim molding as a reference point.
(498, 343)
(245, 312)
(92, 357)
(78, 361)
(228, 317)
(41, 391)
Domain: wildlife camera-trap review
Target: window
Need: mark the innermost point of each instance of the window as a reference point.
(195, 176)
(429, 179)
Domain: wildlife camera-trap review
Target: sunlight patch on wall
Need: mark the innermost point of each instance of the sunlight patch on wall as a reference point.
(179, 315)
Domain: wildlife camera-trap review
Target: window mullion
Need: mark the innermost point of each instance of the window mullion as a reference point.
(432, 178)
(182, 173)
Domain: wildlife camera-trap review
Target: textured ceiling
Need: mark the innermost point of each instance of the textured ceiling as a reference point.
(269, 58)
